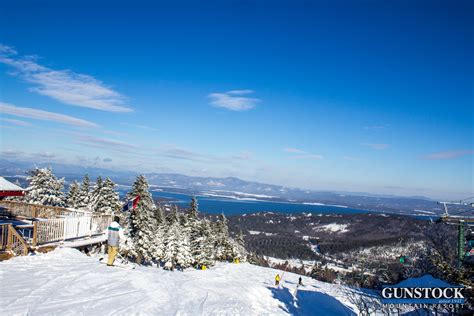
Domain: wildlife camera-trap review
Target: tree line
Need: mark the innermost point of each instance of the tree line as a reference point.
(155, 234)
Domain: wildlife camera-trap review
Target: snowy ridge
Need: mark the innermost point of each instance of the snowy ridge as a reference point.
(67, 282)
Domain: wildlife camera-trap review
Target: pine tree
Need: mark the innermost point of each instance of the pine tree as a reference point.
(177, 250)
(173, 216)
(143, 223)
(223, 248)
(238, 247)
(73, 194)
(159, 242)
(240, 239)
(111, 198)
(84, 194)
(171, 243)
(159, 214)
(203, 244)
(44, 188)
(193, 211)
(184, 257)
(104, 198)
(96, 197)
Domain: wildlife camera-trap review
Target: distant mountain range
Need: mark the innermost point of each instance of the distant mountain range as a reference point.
(233, 188)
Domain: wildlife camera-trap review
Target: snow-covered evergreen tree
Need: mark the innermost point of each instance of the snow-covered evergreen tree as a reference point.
(238, 247)
(84, 194)
(96, 197)
(173, 216)
(45, 188)
(159, 214)
(223, 249)
(177, 250)
(104, 198)
(159, 242)
(73, 194)
(170, 247)
(143, 223)
(203, 244)
(193, 211)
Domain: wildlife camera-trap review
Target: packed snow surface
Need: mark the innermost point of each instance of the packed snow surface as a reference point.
(67, 282)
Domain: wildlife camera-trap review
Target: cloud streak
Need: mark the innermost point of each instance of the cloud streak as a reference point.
(65, 85)
(447, 155)
(301, 154)
(234, 100)
(16, 122)
(99, 142)
(145, 127)
(11, 109)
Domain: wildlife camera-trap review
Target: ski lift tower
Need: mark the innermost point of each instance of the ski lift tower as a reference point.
(460, 221)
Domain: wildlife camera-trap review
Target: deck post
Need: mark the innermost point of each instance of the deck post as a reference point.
(9, 238)
(35, 233)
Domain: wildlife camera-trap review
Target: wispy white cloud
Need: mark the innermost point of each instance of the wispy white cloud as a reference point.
(46, 157)
(16, 122)
(105, 143)
(234, 100)
(65, 85)
(350, 158)
(7, 50)
(240, 92)
(11, 109)
(446, 155)
(13, 153)
(294, 151)
(180, 153)
(376, 146)
(301, 154)
(145, 127)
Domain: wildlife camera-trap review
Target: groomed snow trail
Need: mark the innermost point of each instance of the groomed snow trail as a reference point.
(67, 282)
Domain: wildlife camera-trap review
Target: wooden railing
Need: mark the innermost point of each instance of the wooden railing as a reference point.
(12, 241)
(3, 236)
(61, 229)
(16, 244)
(28, 210)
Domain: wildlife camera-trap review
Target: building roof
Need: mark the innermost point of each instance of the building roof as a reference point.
(6, 185)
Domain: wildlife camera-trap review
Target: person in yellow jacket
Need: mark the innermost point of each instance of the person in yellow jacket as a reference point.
(277, 280)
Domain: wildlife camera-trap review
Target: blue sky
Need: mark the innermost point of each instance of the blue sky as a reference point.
(360, 96)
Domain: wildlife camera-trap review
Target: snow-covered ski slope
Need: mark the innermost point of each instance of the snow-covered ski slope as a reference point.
(67, 282)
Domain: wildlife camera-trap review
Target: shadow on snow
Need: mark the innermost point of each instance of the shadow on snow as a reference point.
(309, 303)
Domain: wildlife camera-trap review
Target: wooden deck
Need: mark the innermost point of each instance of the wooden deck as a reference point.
(51, 227)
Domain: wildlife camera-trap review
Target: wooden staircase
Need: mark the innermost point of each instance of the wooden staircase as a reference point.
(11, 242)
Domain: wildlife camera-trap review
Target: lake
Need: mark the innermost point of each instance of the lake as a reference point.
(217, 205)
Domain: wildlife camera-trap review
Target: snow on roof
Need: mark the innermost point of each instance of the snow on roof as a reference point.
(6, 185)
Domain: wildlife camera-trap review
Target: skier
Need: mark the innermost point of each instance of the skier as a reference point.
(300, 281)
(277, 280)
(115, 232)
